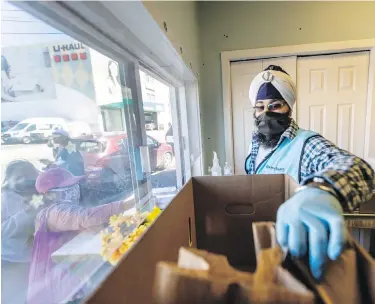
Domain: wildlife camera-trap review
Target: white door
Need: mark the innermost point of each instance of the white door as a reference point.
(332, 93)
(242, 73)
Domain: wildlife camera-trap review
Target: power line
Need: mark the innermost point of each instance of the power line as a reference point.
(10, 20)
(20, 20)
(18, 17)
(32, 34)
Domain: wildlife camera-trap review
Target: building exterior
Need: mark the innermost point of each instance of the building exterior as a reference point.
(65, 79)
(156, 103)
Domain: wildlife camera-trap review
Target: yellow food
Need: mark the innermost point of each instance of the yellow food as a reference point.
(114, 257)
(153, 215)
(123, 248)
(114, 244)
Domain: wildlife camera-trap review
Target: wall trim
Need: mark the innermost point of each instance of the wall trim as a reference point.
(298, 50)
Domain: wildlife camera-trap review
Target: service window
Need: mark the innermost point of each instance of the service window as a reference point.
(65, 192)
(80, 202)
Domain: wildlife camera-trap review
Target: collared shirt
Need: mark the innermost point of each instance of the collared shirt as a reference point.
(351, 177)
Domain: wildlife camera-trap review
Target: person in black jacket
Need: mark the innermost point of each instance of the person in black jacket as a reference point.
(66, 155)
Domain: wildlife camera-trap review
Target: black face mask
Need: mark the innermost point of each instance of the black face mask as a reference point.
(271, 123)
(26, 187)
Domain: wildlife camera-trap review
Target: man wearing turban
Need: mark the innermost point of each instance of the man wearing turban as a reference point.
(331, 179)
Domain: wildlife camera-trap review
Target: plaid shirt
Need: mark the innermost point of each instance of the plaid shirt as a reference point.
(351, 177)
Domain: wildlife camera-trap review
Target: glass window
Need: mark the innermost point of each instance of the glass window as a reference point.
(113, 119)
(91, 146)
(57, 197)
(19, 127)
(101, 154)
(158, 125)
(31, 128)
(150, 96)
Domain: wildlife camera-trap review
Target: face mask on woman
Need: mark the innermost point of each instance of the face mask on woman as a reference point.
(24, 187)
(69, 195)
(20, 176)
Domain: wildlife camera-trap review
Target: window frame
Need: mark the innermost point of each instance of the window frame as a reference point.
(73, 19)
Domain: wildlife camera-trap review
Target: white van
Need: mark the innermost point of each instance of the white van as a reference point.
(41, 129)
(33, 129)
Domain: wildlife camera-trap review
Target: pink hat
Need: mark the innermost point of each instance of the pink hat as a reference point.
(55, 178)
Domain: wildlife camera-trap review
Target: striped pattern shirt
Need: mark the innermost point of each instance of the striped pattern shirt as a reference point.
(351, 177)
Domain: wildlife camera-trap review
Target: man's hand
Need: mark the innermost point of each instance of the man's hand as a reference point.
(312, 218)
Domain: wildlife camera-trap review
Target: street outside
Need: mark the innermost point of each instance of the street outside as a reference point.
(34, 152)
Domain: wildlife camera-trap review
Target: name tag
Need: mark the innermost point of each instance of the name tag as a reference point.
(277, 169)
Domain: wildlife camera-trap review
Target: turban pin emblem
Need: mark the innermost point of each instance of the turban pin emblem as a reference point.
(267, 76)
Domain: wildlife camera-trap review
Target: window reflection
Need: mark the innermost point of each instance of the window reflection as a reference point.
(70, 160)
(76, 154)
(157, 105)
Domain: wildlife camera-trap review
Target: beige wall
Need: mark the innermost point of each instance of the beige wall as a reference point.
(263, 24)
(205, 29)
(183, 29)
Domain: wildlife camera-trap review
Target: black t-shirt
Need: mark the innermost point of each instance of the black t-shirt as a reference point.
(73, 161)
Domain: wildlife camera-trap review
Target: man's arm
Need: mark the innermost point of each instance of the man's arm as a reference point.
(351, 177)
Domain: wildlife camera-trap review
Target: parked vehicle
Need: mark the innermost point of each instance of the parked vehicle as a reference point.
(103, 151)
(107, 165)
(107, 162)
(32, 130)
(161, 154)
(6, 125)
(40, 129)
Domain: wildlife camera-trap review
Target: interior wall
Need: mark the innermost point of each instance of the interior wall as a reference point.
(181, 18)
(226, 26)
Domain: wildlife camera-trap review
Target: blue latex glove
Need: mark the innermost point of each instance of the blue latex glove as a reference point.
(307, 218)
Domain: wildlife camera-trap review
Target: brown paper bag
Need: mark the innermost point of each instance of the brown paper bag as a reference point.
(350, 279)
(203, 277)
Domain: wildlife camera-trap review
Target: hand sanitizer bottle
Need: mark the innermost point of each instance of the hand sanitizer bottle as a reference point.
(216, 169)
(228, 169)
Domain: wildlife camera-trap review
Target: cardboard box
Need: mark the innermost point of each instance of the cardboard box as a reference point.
(211, 213)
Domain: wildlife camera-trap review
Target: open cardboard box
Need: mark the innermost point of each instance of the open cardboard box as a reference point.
(211, 213)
